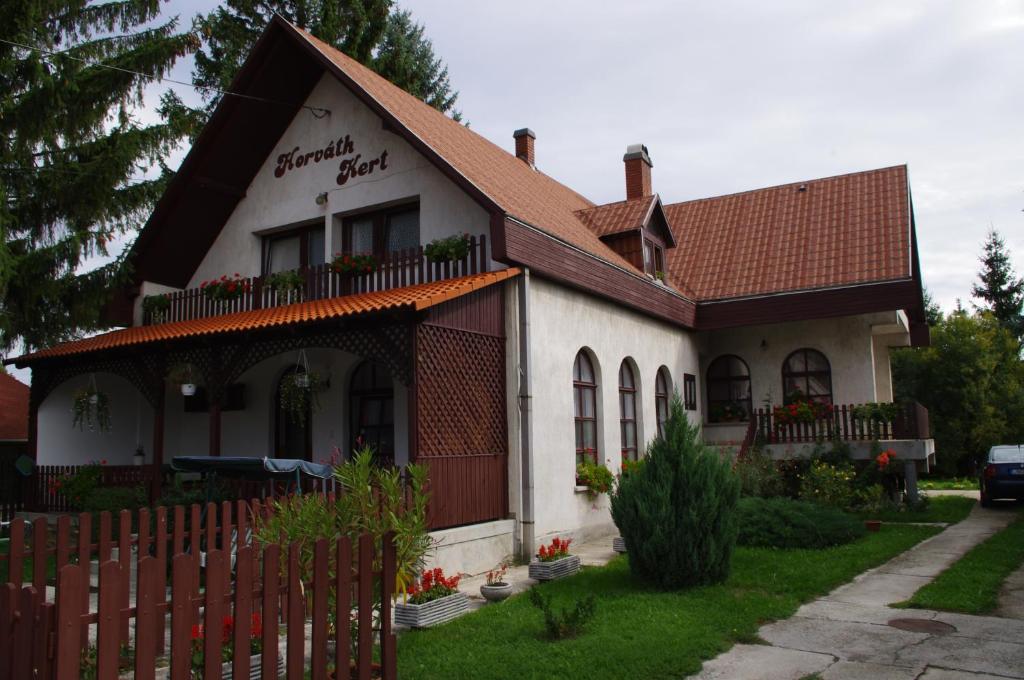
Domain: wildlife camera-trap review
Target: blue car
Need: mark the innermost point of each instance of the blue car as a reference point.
(1003, 474)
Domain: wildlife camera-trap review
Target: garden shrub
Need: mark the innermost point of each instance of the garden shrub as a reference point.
(787, 523)
(831, 485)
(759, 475)
(566, 623)
(677, 511)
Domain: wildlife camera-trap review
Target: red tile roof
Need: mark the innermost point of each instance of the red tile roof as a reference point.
(416, 297)
(835, 231)
(520, 190)
(615, 218)
(13, 408)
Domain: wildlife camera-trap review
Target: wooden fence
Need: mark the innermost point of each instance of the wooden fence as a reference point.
(49, 623)
(400, 268)
(843, 422)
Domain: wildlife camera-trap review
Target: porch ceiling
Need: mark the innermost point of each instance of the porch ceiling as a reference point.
(412, 298)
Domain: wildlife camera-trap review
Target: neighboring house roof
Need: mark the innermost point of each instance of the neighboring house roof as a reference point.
(13, 408)
(413, 298)
(823, 233)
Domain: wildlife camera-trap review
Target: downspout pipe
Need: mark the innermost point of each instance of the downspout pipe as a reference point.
(525, 412)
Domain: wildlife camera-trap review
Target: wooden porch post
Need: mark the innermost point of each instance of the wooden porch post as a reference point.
(158, 444)
(412, 406)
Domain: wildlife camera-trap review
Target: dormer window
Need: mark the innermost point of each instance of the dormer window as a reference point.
(654, 258)
(294, 249)
(383, 231)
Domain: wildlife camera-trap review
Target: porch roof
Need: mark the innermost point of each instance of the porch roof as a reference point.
(413, 298)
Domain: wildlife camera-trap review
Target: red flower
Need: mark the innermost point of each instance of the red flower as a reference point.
(197, 632)
(231, 287)
(103, 462)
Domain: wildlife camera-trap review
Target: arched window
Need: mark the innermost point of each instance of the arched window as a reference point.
(627, 411)
(728, 386)
(584, 384)
(372, 403)
(662, 387)
(806, 374)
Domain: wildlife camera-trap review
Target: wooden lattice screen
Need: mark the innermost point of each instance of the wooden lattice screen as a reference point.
(462, 418)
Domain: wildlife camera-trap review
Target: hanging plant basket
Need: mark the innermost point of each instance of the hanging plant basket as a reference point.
(185, 378)
(301, 393)
(91, 408)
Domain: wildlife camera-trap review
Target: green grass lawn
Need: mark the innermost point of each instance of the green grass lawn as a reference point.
(51, 565)
(948, 484)
(639, 632)
(972, 584)
(949, 509)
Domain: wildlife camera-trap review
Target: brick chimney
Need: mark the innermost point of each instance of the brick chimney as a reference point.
(638, 171)
(524, 145)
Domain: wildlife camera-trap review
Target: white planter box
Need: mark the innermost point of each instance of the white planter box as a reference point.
(619, 544)
(255, 668)
(549, 571)
(432, 613)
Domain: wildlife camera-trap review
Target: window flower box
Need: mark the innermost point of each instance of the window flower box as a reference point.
(433, 612)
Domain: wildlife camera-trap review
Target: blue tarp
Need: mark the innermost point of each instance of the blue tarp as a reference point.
(256, 469)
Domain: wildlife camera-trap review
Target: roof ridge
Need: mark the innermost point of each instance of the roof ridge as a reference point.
(789, 184)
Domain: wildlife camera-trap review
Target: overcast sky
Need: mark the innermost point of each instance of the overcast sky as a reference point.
(730, 96)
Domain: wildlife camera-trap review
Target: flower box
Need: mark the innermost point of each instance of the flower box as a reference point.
(255, 668)
(431, 613)
(549, 571)
(619, 544)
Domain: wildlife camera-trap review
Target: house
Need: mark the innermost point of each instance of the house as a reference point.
(480, 317)
(13, 416)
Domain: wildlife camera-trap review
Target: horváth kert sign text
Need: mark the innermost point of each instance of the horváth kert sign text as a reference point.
(343, 150)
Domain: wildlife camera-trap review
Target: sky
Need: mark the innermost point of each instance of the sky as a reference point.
(730, 96)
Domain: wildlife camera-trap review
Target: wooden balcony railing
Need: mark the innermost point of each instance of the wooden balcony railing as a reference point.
(398, 269)
(843, 422)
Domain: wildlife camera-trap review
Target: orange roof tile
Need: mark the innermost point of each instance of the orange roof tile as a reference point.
(834, 231)
(13, 408)
(521, 191)
(415, 298)
(614, 218)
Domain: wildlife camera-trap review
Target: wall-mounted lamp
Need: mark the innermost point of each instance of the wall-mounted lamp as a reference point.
(321, 198)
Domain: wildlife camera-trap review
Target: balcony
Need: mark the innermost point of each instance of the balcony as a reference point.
(396, 270)
(848, 422)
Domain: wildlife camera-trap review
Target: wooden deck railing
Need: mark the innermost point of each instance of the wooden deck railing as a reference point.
(188, 571)
(843, 422)
(400, 268)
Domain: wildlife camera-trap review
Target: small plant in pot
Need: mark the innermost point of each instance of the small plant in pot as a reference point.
(155, 307)
(91, 408)
(287, 284)
(447, 249)
(496, 589)
(299, 395)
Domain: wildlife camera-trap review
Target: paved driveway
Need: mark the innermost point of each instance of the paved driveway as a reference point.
(851, 633)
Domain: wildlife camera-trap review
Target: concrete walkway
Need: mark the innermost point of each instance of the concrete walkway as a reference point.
(851, 633)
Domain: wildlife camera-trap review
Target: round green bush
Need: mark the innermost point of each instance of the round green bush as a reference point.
(676, 512)
(786, 523)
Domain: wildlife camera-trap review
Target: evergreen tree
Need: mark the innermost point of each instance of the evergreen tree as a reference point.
(999, 287)
(71, 151)
(932, 312)
(370, 31)
(676, 510)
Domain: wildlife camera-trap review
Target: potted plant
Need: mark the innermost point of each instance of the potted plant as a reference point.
(728, 412)
(353, 264)
(496, 589)
(287, 284)
(596, 478)
(433, 599)
(227, 650)
(182, 375)
(139, 458)
(448, 249)
(225, 289)
(155, 307)
(91, 408)
(554, 561)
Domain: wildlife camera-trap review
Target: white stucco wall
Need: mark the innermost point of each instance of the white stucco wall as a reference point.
(273, 202)
(563, 321)
(858, 356)
(250, 432)
(131, 419)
